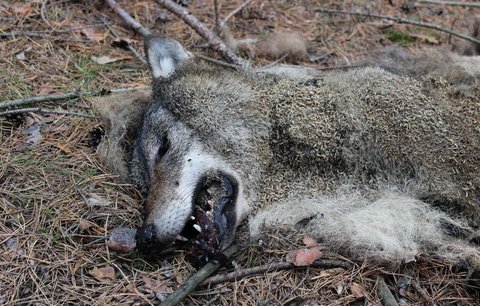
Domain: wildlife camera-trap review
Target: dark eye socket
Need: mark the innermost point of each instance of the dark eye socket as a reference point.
(164, 146)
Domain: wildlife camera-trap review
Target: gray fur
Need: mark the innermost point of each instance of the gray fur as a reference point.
(292, 145)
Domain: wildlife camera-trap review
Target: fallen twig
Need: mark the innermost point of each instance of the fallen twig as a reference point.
(385, 294)
(45, 111)
(46, 33)
(216, 9)
(63, 97)
(404, 21)
(234, 12)
(196, 279)
(215, 61)
(128, 19)
(422, 292)
(452, 3)
(319, 263)
(212, 39)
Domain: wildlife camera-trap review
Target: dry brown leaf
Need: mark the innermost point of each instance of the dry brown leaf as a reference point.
(22, 10)
(96, 200)
(65, 147)
(304, 257)
(105, 59)
(156, 286)
(85, 224)
(357, 290)
(103, 274)
(339, 287)
(93, 34)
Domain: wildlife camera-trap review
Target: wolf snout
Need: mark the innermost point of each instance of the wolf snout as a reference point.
(147, 240)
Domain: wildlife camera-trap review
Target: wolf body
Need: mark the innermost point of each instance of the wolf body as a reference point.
(379, 163)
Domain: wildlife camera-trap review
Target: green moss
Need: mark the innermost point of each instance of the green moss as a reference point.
(399, 37)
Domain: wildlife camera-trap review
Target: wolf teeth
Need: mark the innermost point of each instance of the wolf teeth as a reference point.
(181, 238)
(192, 218)
(197, 227)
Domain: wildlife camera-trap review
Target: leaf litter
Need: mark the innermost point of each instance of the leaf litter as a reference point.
(47, 224)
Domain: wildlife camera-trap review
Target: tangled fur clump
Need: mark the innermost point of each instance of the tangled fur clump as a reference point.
(122, 113)
(388, 225)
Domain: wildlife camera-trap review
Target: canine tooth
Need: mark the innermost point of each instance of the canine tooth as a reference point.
(181, 238)
(192, 218)
(197, 227)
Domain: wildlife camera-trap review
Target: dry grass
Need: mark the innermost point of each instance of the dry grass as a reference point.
(58, 203)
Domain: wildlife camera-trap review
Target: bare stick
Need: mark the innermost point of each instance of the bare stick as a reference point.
(385, 294)
(404, 21)
(452, 3)
(217, 12)
(63, 97)
(212, 39)
(46, 33)
(234, 12)
(196, 279)
(422, 292)
(128, 19)
(215, 61)
(45, 111)
(320, 263)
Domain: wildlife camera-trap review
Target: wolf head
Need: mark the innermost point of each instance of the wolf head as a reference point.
(182, 155)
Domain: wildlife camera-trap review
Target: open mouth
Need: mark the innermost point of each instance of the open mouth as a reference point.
(210, 227)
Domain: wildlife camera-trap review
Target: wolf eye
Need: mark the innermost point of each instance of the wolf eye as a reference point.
(164, 146)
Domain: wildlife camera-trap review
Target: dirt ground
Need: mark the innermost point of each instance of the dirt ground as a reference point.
(58, 203)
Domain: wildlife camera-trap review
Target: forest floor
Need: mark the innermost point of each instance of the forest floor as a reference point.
(59, 203)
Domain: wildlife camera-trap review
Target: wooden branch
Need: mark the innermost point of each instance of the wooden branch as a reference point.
(404, 21)
(215, 61)
(385, 294)
(216, 10)
(63, 97)
(422, 292)
(234, 12)
(212, 39)
(196, 279)
(138, 27)
(45, 111)
(451, 3)
(233, 276)
(47, 33)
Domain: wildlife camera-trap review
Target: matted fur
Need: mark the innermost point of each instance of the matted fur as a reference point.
(406, 136)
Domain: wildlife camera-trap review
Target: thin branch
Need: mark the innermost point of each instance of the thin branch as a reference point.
(212, 39)
(45, 111)
(196, 279)
(422, 292)
(385, 294)
(46, 33)
(233, 276)
(215, 61)
(217, 12)
(452, 3)
(404, 21)
(63, 97)
(128, 19)
(234, 12)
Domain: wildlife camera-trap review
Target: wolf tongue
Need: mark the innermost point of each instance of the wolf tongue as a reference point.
(221, 217)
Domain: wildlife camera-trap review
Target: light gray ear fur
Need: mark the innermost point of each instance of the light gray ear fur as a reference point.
(164, 56)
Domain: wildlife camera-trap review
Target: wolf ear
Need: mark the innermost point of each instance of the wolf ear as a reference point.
(164, 55)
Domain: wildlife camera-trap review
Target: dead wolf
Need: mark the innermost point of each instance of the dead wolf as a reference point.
(380, 160)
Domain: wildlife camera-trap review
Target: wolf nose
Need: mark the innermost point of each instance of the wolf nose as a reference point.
(147, 239)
